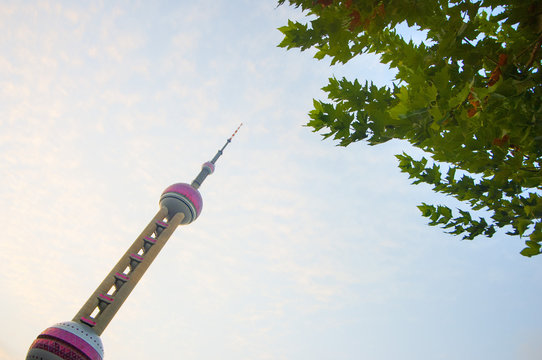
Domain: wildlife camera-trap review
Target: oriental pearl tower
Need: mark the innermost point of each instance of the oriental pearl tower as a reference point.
(79, 339)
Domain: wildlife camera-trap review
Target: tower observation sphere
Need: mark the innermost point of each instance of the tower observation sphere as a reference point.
(67, 340)
(79, 339)
(182, 198)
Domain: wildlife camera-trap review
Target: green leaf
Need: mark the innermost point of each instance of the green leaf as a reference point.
(469, 97)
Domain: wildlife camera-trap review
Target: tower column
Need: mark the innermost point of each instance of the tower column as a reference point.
(106, 300)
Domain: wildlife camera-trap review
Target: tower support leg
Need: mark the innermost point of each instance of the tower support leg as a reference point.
(106, 300)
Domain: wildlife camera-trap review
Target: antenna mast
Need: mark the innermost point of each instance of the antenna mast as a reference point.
(208, 167)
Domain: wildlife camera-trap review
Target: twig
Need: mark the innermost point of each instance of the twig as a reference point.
(534, 51)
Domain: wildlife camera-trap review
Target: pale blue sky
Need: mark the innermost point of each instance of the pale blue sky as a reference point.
(303, 250)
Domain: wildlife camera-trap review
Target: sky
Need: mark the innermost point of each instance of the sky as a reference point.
(303, 250)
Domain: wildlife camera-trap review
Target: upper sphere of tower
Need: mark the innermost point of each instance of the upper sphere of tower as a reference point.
(182, 198)
(67, 341)
(210, 166)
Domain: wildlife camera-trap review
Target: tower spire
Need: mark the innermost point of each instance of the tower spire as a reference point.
(208, 167)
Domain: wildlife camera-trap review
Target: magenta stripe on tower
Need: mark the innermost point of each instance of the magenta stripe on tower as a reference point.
(65, 352)
(74, 340)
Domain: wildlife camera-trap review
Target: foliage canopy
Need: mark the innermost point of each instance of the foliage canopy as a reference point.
(469, 96)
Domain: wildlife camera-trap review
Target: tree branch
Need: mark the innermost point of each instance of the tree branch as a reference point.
(534, 51)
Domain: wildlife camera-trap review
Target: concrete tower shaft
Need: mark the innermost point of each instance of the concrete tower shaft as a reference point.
(106, 300)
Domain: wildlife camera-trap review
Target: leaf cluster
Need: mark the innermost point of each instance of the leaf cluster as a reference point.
(469, 96)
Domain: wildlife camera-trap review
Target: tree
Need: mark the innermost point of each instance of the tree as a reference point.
(469, 96)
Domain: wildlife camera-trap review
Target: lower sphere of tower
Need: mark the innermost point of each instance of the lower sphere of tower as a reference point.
(67, 341)
(182, 198)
